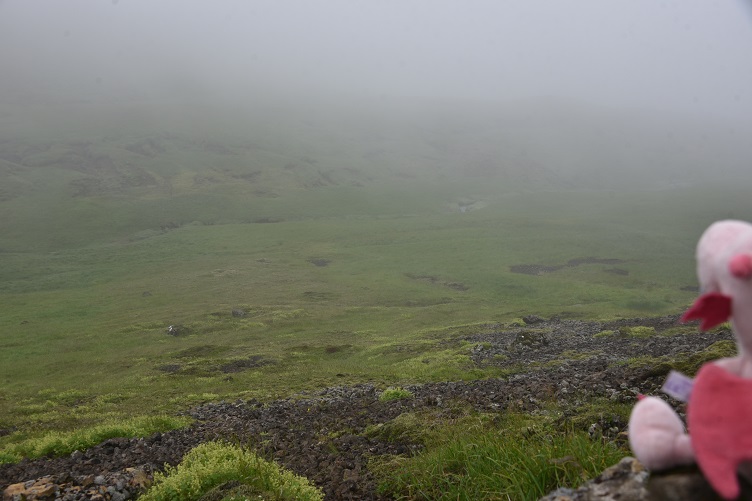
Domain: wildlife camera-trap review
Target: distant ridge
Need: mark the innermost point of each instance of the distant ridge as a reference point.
(274, 146)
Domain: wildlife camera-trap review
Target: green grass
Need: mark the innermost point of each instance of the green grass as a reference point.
(56, 443)
(212, 465)
(522, 457)
(395, 394)
(93, 318)
(687, 363)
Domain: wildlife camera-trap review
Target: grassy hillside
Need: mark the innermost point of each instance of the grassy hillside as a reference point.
(327, 298)
(145, 268)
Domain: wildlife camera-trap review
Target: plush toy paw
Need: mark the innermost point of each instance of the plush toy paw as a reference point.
(657, 436)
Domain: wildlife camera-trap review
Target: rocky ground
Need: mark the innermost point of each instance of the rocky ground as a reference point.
(320, 435)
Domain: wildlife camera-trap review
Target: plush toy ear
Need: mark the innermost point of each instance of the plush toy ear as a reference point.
(741, 266)
(713, 309)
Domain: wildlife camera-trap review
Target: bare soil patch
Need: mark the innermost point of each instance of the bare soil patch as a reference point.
(540, 269)
(244, 364)
(434, 280)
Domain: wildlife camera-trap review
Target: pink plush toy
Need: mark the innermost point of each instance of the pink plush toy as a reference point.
(719, 413)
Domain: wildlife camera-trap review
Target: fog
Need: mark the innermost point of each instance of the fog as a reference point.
(690, 55)
(591, 82)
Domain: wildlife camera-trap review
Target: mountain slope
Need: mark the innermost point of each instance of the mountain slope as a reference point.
(64, 165)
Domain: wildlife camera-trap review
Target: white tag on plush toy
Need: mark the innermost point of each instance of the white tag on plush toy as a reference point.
(678, 385)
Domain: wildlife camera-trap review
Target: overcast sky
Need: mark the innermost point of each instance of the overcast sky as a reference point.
(693, 55)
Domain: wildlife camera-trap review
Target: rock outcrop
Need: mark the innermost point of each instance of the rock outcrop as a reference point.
(628, 480)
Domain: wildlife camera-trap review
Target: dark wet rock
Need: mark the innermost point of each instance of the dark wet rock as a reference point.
(533, 319)
(128, 483)
(589, 346)
(628, 480)
(683, 484)
(529, 339)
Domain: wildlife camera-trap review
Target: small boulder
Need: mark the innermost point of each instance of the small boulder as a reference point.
(629, 480)
(533, 319)
(625, 480)
(177, 330)
(529, 339)
(43, 488)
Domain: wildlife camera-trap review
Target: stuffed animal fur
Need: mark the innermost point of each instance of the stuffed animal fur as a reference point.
(719, 413)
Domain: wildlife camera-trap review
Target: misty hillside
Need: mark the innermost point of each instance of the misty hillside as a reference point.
(262, 150)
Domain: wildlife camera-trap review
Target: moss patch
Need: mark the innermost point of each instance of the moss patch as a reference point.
(395, 394)
(214, 466)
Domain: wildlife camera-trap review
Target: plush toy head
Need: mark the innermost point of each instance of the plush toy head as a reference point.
(724, 269)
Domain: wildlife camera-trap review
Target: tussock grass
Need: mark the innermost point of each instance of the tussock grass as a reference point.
(687, 363)
(213, 464)
(522, 458)
(58, 443)
(395, 394)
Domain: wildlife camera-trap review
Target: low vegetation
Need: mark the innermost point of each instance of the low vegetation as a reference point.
(126, 296)
(109, 307)
(234, 473)
(687, 363)
(58, 443)
(395, 394)
(521, 457)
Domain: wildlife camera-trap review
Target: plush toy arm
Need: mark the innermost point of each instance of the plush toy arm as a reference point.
(657, 437)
